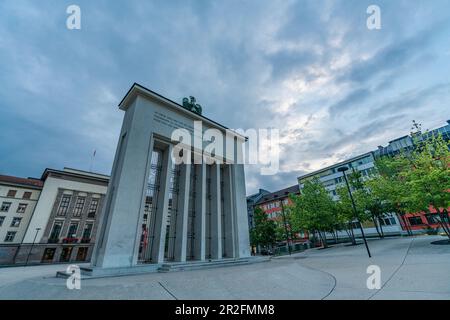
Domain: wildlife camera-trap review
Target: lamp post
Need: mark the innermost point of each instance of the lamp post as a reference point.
(32, 245)
(343, 170)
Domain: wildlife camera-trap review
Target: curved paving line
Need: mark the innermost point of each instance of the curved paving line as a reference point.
(167, 290)
(327, 273)
(396, 270)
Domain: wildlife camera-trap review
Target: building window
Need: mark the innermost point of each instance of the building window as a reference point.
(82, 253)
(5, 206)
(15, 223)
(2, 218)
(415, 221)
(79, 205)
(10, 236)
(49, 253)
(56, 230)
(65, 254)
(11, 193)
(93, 208)
(432, 218)
(22, 207)
(72, 232)
(388, 221)
(86, 237)
(27, 195)
(64, 205)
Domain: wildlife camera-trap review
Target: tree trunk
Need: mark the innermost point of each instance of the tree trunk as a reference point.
(408, 230)
(376, 226)
(443, 222)
(352, 233)
(381, 227)
(324, 240)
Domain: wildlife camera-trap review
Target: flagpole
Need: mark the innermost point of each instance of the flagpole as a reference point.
(92, 160)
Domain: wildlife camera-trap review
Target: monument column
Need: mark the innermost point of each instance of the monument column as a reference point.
(162, 207)
(228, 212)
(183, 213)
(240, 218)
(116, 240)
(216, 213)
(200, 211)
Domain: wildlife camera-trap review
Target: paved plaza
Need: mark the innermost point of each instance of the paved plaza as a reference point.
(411, 268)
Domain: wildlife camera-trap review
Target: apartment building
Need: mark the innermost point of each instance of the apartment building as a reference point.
(251, 202)
(365, 163)
(65, 219)
(18, 198)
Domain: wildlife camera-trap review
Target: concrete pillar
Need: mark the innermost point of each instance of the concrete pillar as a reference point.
(116, 240)
(240, 219)
(200, 212)
(228, 212)
(216, 213)
(162, 208)
(182, 213)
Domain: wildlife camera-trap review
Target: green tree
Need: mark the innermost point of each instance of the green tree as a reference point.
(264, 233)
(369, 206)
(389, 186)
(428, 178)
(343, 216)
(313, 210)
(345, 211)
(414, 180)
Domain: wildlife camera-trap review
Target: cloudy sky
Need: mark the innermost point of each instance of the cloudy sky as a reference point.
(310, 68)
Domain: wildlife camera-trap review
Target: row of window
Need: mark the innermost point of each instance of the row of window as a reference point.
(432, 218)
(15, 223)
(13, 193)
(79, 206)
(49, 254)
(275, 204)
(272, 215)
(6, 205)
(71, 231)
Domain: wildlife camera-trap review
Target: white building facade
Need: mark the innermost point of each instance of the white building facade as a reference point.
(18, 198)
(332, 179)
(159, 211)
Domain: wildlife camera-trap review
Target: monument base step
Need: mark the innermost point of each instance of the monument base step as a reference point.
(196, 265)
(94, 273)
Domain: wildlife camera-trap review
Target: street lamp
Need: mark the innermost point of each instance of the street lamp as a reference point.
(343, 169)
(32, 245)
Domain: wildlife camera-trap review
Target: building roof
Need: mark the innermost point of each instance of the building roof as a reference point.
(283, 193)
(136, 89)
(255, 196)
(335, 165)
(76, 173)
(26, 182)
